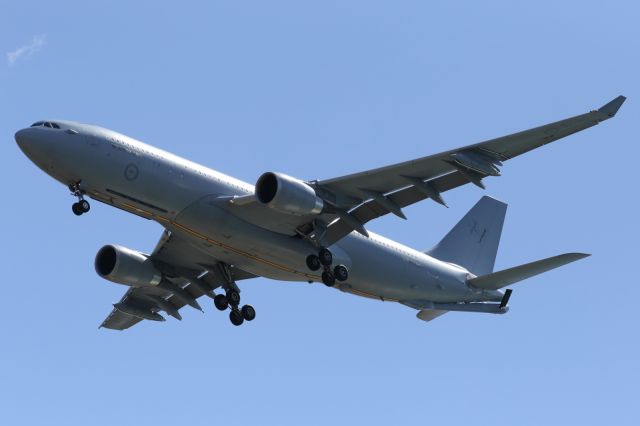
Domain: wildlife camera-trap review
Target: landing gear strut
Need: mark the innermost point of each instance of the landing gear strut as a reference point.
(231, 300)
(82, 206)
(324, 259)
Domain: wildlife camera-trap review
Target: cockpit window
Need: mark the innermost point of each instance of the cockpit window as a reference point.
(48, 124)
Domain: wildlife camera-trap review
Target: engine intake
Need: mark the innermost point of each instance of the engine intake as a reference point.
(288, 195)
(125, 266)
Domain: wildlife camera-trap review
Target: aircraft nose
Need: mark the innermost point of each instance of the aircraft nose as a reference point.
(33, 145)
(22, 138)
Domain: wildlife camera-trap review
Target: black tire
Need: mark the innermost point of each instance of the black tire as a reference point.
(84, 206)
(221, 302)
(341, 273)
(77, 210)
(235, 317)
(325, 256)
(313, 262)
(233, 297)
(328, 279)
(248, 313)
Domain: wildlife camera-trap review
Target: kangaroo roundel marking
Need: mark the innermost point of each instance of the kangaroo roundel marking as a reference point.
(131, 172)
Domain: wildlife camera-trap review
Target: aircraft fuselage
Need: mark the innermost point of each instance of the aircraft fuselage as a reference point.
(193, 200)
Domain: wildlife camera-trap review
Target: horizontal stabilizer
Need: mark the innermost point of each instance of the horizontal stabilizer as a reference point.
(500, 279)
(430, 310)
(430, 314)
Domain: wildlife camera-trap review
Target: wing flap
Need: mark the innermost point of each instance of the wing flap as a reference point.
(427, 177)
(118, 320)
(177, 257)
(389, 178)
(370, 209)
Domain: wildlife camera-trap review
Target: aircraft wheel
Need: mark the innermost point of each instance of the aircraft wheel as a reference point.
(221, 302)
(313, 262)
(84, 206)
(325, 256)
(248, 313)
(77, 209)
(236, 317)
(328, 279)
(341, 273)
(233, 297)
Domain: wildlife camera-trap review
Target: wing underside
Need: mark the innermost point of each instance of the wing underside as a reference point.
(188, 275)
(354, 199)
(361, 197)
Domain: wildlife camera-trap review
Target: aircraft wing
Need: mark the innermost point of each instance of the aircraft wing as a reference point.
(370, 194)
(183, 266)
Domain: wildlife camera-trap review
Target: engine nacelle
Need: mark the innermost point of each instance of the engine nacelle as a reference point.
(125, 266)
(288, 195)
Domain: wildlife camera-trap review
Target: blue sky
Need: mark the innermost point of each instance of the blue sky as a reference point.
(315, 90)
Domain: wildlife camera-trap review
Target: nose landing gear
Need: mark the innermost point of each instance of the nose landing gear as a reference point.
(324, 259)
(82, 206)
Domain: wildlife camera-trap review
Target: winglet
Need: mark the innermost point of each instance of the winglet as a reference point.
(612, 107)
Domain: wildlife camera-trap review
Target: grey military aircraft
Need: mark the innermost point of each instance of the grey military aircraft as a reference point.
(219, 230)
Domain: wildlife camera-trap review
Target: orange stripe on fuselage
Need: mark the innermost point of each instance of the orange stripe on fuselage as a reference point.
(204, 237)
(227, 247)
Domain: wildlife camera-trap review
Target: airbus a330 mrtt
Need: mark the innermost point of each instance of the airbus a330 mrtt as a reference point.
(219, 230)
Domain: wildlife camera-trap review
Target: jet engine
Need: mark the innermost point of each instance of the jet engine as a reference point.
(288, 195)
(125, 266)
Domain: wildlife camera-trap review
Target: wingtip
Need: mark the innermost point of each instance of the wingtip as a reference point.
(492, 200)
(577, 256)
(610, 109)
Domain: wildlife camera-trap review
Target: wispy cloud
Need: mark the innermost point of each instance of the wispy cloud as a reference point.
(27, 50)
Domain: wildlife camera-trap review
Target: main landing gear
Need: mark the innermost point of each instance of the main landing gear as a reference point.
(232, 300)
(323, 260)
(82, 206)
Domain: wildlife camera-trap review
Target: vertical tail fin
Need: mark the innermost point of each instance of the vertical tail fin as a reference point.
(473, 242)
